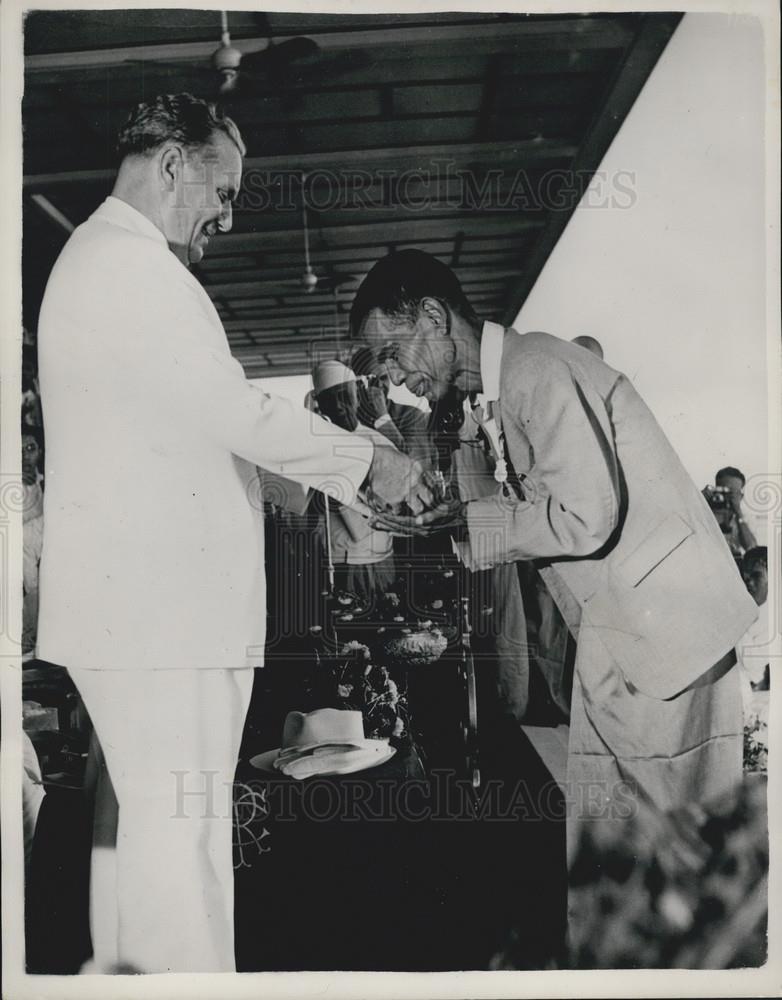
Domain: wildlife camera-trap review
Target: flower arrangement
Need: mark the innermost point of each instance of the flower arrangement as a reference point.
(363, 649)
(350, 681)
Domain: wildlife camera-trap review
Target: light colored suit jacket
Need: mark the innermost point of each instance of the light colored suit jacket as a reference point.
(153, 523)
(622, 528)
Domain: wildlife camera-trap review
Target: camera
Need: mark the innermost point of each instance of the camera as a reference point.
(717, 497)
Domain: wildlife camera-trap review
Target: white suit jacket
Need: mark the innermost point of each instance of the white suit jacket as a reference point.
(153, 523)
(608, 506)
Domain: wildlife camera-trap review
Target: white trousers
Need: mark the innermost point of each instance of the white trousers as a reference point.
(163, 900)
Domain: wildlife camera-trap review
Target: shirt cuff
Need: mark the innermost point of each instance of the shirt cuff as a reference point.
(384, 419)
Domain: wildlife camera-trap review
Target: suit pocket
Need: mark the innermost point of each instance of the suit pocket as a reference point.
(657, 546)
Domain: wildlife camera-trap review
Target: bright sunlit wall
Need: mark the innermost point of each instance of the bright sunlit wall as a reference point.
(673, 286)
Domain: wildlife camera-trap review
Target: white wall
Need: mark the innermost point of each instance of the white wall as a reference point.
(673, 287)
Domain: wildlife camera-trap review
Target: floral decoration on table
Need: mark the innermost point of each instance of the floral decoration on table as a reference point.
(363, 653)
(417, 646)
(351, 681)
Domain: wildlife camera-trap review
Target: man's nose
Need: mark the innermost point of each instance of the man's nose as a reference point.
(226, 220)
(396, 374)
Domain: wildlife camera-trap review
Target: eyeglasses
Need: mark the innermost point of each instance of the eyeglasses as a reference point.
(390, 352)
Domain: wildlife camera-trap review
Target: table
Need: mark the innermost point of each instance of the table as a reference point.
(395, 870)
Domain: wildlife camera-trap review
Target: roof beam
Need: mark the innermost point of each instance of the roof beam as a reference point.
(525, 153)
(216, 267)
(516, 37)
(404, 230)
(473, 274)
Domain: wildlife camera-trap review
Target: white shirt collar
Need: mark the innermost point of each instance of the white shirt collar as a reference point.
(492, 338)
(120, 213)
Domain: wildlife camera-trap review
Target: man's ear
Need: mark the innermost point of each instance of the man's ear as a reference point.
(170, 166)
(435, 312)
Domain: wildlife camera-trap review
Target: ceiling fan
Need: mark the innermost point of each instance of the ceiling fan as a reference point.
(309, 281)
(273, 62)
(233, 68)
(274, 68)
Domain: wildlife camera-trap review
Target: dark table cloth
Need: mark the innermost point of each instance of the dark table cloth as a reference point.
(397, 870)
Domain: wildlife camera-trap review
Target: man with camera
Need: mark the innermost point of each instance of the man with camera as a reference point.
(725, 498)
(406, 427)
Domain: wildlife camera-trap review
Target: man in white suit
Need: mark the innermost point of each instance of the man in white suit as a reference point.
(152, 582)
(590, 487)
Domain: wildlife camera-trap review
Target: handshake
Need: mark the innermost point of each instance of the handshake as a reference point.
(405, 499)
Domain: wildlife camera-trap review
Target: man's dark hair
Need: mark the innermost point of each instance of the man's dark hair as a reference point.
(179, 118)
(397, 284)
(758, 554)
(730, 471)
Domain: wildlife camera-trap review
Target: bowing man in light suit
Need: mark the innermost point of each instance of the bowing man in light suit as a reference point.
(152, 587)
(627, 545)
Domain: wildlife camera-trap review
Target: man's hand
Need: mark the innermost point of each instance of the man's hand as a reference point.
(448, 515)
(393, 478)
(372, 403)
(734, 503)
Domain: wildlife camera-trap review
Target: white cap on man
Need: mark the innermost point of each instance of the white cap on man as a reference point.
(327, 374)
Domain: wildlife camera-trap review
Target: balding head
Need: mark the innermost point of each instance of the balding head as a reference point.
(590, 344)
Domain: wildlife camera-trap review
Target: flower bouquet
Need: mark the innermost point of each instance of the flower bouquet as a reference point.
(349, 680)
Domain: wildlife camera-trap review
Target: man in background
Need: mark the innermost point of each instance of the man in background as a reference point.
(32, 532)
(754, 647)
(590, 344)
(725, 499)
(361, 557)
(406, 427)
(152, 575)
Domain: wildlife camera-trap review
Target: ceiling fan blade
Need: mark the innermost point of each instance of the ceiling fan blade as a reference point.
(327, 67)
(335, 281)
(277, 58)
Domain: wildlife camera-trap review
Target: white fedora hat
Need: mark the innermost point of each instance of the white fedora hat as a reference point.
(305, 734)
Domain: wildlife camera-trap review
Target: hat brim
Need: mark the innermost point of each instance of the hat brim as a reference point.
(265, 761)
